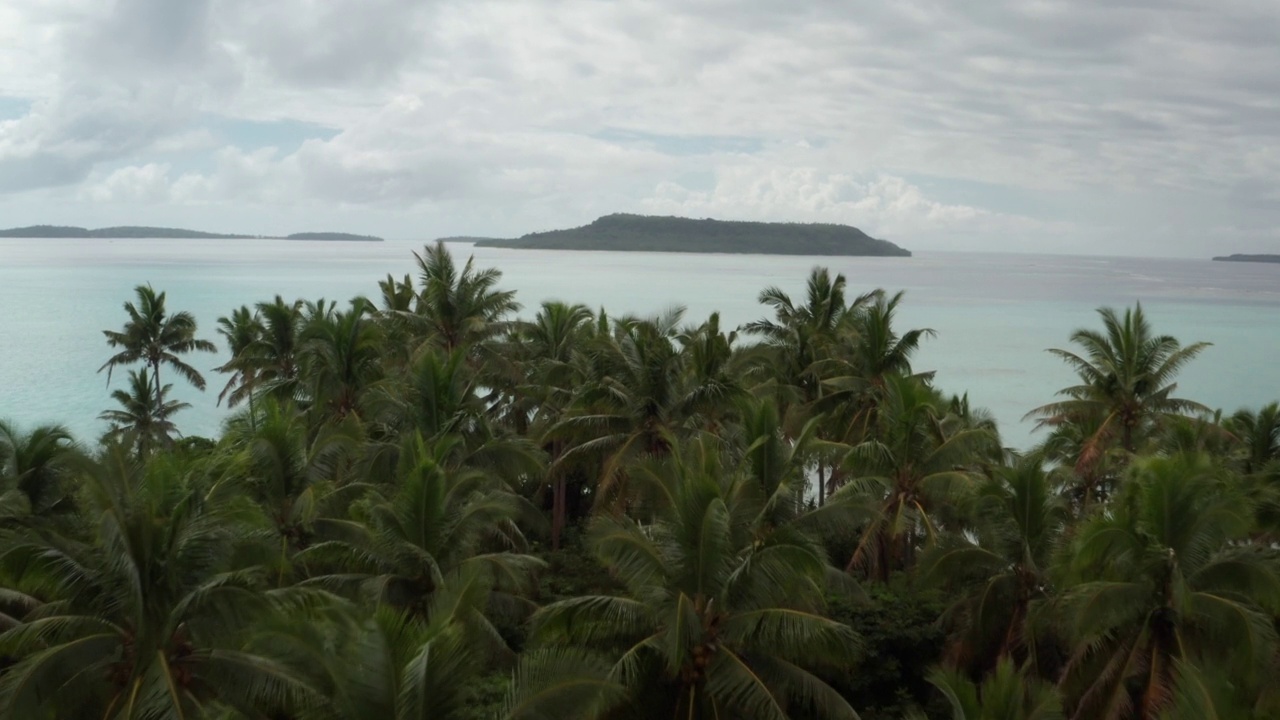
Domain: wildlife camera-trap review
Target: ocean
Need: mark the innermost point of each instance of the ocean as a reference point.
(994, 314)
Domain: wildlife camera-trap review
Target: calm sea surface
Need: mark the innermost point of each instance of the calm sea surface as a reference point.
(994, 314)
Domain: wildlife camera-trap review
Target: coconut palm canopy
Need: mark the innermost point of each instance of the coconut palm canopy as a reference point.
(434, 506)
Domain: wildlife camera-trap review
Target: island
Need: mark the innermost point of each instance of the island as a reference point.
(346, 237)
(647, 233)
(132, 232)
(473, 239)
(1249, 258)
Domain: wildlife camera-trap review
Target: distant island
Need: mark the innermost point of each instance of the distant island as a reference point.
(1249, 258)
(132, 232)
(332, 236)
(645, 233)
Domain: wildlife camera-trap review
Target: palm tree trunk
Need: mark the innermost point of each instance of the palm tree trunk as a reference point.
(559, 495)
(284, 558)
(836, 481)
(1014, 630)
(155, 372)
(557, 510)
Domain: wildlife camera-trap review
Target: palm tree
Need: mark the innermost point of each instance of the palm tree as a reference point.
(148, 621)
(388, 665)
(37, 464)
(1254, 440)
(1000, 566)
(1259, 436)
(1194, 434)
(340, 353)
(801, 334)
(460, 308)
(1092, 481)
(777, 466)
(775, 472)
(632, 404)
(1003, 695)
(875, 349)
(436, 397)
(155, 337)
(802, 338)
(1165, 577)
(399, 297)
(718, 618)
(241, 330)
(822, 314)
(274, 356)
(1126, 383)
(866, 351)
(918, 460)
(554, 335)
(294, 477)
(716, 373)
(145, 419)
(1212, 692)
(550, 348)
(435, 525)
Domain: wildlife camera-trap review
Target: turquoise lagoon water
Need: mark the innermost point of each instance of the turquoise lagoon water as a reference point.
(994, 314)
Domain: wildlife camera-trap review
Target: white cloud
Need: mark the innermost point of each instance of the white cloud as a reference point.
(246, 177)
(196, 140)
(886, 205)
(133, 184)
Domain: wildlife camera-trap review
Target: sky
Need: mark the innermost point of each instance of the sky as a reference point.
(1122, 127)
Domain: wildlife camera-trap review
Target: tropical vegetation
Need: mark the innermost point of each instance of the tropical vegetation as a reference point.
(436, 503)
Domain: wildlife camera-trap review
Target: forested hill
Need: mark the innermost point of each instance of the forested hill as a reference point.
(332, 236)
(142, 232)
(64, 231)
(1249, 258)
(645, 233)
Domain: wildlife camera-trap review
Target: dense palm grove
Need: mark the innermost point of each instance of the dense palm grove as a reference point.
(428, 507)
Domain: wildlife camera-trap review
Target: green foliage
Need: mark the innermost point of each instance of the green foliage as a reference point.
(720, 615)
(435, 508)
(998, 571)
(1003, 695)
(1166, 577)
(37, 465)
(157, 338)
(1126, 384)
(573, 571)
(902, 642)
(145, 418)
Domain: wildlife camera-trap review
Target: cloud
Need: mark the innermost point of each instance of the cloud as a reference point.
(131, 74)
(1081, 124)
(326, 43)
(884, 205)
(147, 183)
(63, 138)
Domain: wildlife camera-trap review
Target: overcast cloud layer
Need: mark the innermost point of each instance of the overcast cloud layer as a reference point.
(1140, 127)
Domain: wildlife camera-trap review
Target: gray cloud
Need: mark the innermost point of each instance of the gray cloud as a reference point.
(1109, 119)
(63, 138)
(130, 75)
(327, 44)
(152, 37)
